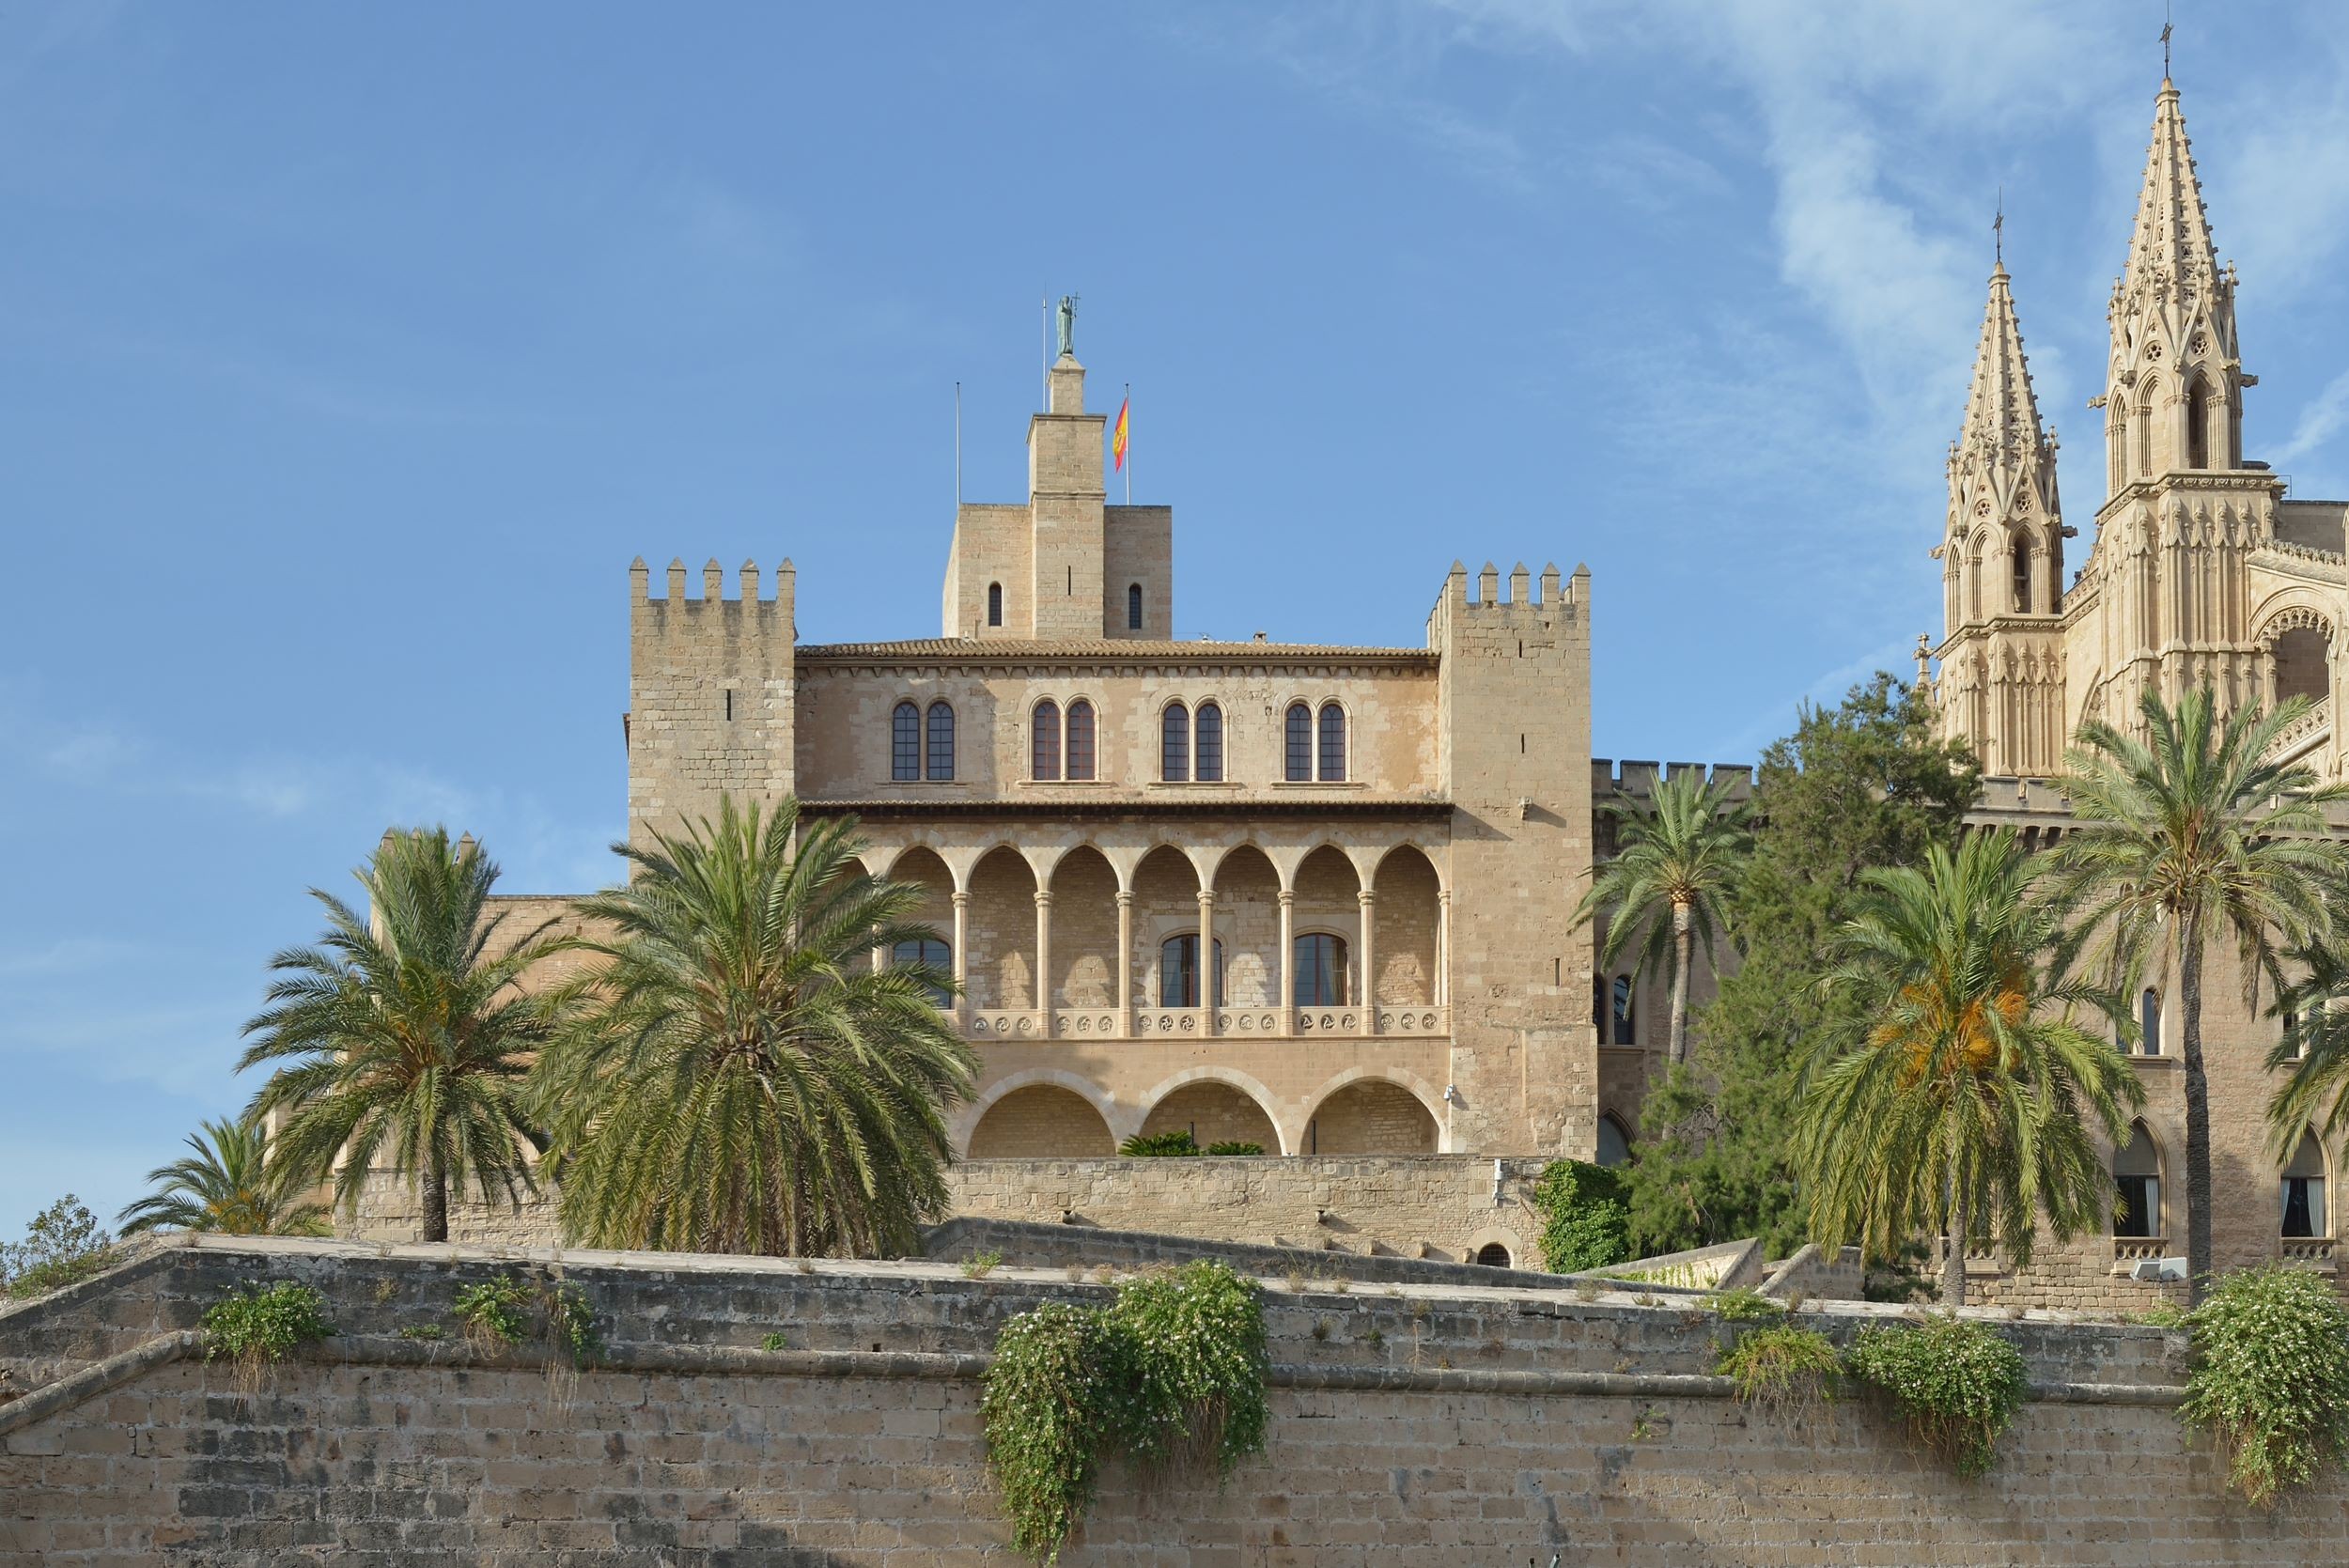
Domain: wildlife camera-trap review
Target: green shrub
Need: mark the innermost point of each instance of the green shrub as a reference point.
(1958, 1383)
(496, 1311)
(1160, 1145)
(1586, 1223)
(1744, 1304)
(1781, 1365)
(63, 1246)
(571, 1324)
(980, 1265)
(1234, 1146)
(255, 1328)
(2271, 1376)
(1169, 1374)
(424, 1333)
(777, 1340)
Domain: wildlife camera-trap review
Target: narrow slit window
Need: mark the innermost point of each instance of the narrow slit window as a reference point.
(1332, 743)
(1133, 607)
(1300, 744)
(1207, 754)
(904, 743)
(994, 604)
(1080, 739)
(2149, 1023)
(1626, 1021)
(1045, 747)
(1174, 744)
(942, 741)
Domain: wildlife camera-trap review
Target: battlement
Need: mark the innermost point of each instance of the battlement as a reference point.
(1482, 597)
(1637, 780)
(713, 584)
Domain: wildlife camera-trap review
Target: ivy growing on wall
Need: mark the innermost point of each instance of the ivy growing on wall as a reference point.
(1957, 1382)
(1170, 1376)
(1585, 1217)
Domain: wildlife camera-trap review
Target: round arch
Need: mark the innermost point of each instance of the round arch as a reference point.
(1377, 1111)
(1215, 1105)
(1514, 1252)
(1043, 1113)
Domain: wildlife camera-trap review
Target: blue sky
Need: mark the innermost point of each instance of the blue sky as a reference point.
(349, 355)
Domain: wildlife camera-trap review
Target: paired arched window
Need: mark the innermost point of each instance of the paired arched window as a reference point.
(994, 604)
(906, 730)
(904, 743)
(1614, 1144)
(1625, 1021)
(1191, 745)
(940, 761)
(1317, 963)
(2149, 1022)
(1175, 743)
(2304, 1190)
(933, 954)
(1305, 760)
(2137, 1186)
(1178, 972)
(1079, 740)
(1133, 607)
(1043, 748)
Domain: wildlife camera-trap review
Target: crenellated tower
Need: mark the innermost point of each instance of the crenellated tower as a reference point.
(2183, 511)
(2001, 557)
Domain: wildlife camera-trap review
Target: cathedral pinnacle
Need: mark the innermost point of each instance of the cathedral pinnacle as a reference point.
(2001, 434)
(2170, 248)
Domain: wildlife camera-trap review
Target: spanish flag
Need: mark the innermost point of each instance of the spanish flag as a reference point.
(1117, 437)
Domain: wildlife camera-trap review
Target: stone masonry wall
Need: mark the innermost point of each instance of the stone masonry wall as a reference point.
(1409, 1424)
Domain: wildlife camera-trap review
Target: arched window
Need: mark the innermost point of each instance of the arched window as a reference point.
(994, 604)
(933, 954)
(1614, 1145)
(1317, 962)
(1133, 607)
(2136, 1182)
(1627, 1025)
(2295, 1046)
(904, 743)
(942, 752)
(1493, 1255)
(1300, 744)
(2149, 1023)
(1080, 739)
(2304, 1190)
(1332, 743)
(1208, 751)
(2145, 430)
(1175, 743)
(1178, 972)
(2197, 424)
(2022, 576)
(2117, 464)
(1045, 750)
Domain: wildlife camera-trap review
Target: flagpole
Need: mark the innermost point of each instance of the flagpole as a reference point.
(957, 447)
(1127, 409)
(1043, 308)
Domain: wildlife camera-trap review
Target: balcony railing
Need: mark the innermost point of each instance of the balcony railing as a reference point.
(1161, 1023)
(2130, 1250)
(2316, 1251)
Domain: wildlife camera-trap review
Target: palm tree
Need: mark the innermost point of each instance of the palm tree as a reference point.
(407, 1035)
(2189, 835)
(1667, 884)
(739, 1077)
(2314, 1050)
(1966, 1107)
(226, 1185)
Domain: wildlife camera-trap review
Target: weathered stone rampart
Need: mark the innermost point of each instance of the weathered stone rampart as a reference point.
(1409, 1424)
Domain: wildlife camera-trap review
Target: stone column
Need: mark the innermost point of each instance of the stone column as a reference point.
(962, 970)
(1207, 962)
(1369, 903)
(1044, 963)
(1125, 962)
(1441, 990)
(1285, 998)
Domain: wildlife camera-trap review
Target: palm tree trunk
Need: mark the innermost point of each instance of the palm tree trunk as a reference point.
(2198, 1260)
(435, 1198)
(1953, 1264)
(1684, 957)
